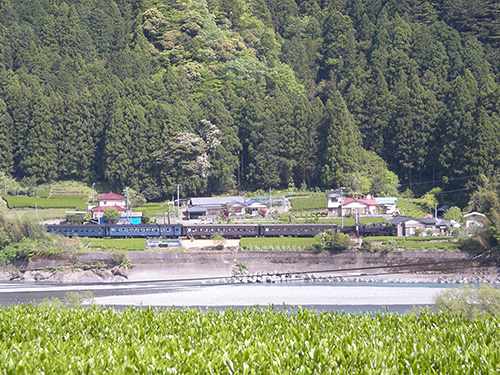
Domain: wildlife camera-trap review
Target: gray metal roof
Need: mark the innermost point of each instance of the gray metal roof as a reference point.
(217, 201)
(399, 219)
(196, 209)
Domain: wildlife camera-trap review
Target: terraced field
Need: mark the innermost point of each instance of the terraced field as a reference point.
(410, 208)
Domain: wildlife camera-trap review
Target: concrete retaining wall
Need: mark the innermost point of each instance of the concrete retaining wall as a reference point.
(189, 264)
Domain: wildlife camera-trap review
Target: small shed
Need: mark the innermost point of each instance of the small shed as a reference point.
(475, 219)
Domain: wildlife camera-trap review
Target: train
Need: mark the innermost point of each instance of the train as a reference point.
(208, 230)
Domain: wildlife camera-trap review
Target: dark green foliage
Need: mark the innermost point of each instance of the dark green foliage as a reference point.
(332, 241)
(76, 219)
(111, 215)
(146, 217)
(299, 91)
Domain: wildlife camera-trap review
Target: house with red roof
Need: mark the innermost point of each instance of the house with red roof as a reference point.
(361, 206)
(118, 202)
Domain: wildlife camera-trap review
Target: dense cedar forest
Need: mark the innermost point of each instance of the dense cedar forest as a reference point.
(256, 94)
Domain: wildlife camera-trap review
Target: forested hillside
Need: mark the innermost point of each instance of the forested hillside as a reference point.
(214, 94)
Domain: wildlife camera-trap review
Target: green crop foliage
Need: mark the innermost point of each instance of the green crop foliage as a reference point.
(117, 243)
(276, 243)
(252, 341)
(310, 203)
(414, 243)
(56, 201)
(413, 208)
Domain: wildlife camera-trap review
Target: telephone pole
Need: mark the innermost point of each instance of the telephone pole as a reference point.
(341, 207)
(178, 202)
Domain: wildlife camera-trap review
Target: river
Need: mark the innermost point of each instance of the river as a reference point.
(320, 296)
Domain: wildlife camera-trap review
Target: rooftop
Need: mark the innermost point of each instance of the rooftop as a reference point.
(368, 202)
(217, 201)
(104, 208)
(111, 196)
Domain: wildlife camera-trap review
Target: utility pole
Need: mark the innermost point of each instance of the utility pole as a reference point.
(178, 202)
(4, 184)
(341, 207)
(128, 206)
(270, 201)
(93, 186)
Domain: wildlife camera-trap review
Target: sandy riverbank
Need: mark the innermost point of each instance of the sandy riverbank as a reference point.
(290, 295)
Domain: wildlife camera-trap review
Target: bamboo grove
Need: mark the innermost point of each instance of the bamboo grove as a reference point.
(215, 94)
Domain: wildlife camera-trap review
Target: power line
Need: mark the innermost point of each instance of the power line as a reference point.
(441, 180)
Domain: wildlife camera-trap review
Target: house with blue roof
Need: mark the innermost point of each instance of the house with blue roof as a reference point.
(387, 204)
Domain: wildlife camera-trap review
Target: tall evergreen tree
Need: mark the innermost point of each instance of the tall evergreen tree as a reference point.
(342, 143)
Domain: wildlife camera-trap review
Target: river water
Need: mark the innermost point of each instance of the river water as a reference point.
(350, 298)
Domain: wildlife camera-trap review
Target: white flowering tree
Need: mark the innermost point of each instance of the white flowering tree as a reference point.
(184, 161)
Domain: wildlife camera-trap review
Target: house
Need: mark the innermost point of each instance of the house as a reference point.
(334, 202)
(408, 227)
(214, 205)
(475, 219)
(119, 202)
(254, 207)
(387, 205)
(357, 206)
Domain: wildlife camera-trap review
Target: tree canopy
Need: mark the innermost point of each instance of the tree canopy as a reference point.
(300, 92)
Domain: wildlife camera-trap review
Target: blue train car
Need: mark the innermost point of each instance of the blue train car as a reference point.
(170, 230)
(132, 230)
(69, 230)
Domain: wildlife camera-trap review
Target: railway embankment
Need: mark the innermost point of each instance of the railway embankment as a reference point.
(248, 267)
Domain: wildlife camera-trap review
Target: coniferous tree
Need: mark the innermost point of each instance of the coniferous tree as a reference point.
(342, 143)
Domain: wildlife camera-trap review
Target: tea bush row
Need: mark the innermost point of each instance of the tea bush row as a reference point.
(250, 341)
